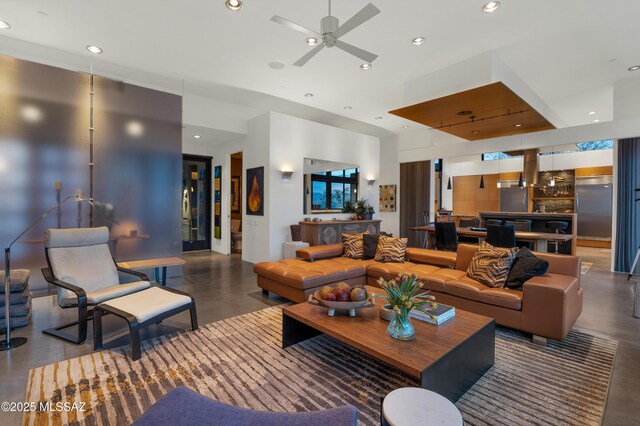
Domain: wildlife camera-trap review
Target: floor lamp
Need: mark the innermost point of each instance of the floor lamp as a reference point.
(8, 343)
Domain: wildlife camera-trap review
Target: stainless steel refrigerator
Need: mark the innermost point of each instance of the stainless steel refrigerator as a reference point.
(594, 207)
(513, 199)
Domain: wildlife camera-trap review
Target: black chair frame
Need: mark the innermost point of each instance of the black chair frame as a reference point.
(135, 326)
(84, 313)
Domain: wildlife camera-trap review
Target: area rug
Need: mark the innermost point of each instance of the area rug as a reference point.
(240, 361)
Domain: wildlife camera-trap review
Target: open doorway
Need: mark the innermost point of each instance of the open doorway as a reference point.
(196, 203)
(236, 202)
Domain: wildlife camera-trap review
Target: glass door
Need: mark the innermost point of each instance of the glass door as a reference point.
(196, 203)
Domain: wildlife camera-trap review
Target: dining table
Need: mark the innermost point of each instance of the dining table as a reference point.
(540, 240)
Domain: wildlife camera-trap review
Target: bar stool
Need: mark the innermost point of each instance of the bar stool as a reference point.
(558, 227)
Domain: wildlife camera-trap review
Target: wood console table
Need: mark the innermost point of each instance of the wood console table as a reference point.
(328, 231)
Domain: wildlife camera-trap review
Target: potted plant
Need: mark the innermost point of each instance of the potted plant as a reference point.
(404, 294)
(370, 211)
(348, 207)
(361, 208)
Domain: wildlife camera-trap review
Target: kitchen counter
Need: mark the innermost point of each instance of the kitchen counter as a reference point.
(538, 224)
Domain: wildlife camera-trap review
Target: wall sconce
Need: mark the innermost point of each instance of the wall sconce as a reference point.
(371, 181)
(286, 175)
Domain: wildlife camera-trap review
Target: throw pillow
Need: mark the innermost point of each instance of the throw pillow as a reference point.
(391, 249)
(371, 244)
(525, 266)
(353, 245)
(490, 265)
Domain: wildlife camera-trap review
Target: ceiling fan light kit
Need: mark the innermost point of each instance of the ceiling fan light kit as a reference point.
(331, 31)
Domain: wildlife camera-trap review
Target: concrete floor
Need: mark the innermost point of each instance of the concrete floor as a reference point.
(224, 286)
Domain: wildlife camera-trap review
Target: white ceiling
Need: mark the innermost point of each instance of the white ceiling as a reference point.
(570, 52)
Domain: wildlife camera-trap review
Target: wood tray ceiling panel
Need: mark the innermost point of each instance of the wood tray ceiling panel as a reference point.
(496, 108)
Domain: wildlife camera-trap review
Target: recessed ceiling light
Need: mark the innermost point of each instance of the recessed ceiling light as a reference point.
(592, 113)
(94, 49)
(406, 126)
(308, 95)
(634, 68)
(277, 65)
(517, 125)
(596, 121)
(491, 7)
(465, 112)
(475, 132)
(234, 4)
(197, 136)
(4, 25)
(365, 66)
(418, 41)
(348, 108)
(312, 41)
(378, 118)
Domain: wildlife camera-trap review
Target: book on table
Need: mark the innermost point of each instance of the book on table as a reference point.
(440, 314)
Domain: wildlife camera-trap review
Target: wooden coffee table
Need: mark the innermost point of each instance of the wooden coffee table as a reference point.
(447, 359)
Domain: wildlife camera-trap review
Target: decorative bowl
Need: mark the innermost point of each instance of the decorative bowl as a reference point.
(346, 306)
(386, 313)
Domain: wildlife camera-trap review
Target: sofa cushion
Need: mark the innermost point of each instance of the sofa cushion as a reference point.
(504, 297)
(491, 265)
(437, 281)
(389, 271)
(525, 266)
(353, 245)
(432, 257)
(303, 275)
(391, 249)
(320, 252)
(370, 242)
(464, 287)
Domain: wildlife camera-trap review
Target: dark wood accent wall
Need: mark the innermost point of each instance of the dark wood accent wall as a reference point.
(414, 198)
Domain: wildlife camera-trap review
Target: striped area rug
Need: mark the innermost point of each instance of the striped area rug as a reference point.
(240, 361)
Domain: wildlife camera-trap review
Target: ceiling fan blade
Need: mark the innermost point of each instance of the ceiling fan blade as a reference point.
(366, 13)
(300, 62)
(356, 51)
(294, 26)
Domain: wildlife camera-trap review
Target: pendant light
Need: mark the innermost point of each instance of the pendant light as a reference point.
(499, 183)
(521, 182)
(449, 160)
(552, 182)
(482, 167)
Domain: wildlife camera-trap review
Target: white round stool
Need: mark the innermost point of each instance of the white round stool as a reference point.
(417, 406)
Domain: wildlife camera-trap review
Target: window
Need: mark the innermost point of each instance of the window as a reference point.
(580, 146)
(331, 189)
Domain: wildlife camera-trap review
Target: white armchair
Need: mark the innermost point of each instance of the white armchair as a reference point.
(80, 265)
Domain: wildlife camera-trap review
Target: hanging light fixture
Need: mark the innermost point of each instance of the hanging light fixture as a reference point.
(552, 182)
(499, 183)
(521, 182)
(449, 160)
(482, 167)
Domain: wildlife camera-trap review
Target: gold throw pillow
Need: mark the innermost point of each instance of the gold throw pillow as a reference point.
(491, 265)
(391, 249)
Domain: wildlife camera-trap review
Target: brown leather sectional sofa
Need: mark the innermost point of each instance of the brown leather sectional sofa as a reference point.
(547, 306)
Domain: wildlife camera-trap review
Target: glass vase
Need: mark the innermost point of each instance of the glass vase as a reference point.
(400, 326)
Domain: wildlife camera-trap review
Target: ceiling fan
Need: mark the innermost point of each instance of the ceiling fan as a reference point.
(331, 32)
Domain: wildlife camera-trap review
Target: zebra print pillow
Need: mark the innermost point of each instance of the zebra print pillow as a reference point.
(391, 249)
(353, 245)
(490, 265)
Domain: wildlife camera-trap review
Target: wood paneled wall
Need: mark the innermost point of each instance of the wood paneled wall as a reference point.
(469, 199)
(414, 198)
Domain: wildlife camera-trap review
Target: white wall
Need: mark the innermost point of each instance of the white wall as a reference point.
(293, 139)
(389, 175)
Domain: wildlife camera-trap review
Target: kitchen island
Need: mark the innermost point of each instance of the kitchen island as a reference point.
(538, 224)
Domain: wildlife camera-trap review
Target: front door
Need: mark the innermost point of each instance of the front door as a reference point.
(196, 203)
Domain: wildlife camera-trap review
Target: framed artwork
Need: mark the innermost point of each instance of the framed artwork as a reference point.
(387, 198)
(217, 202)
(236, 194)
(255, 191)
